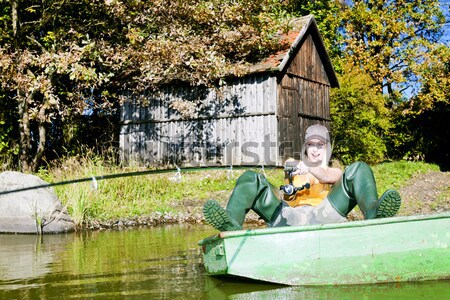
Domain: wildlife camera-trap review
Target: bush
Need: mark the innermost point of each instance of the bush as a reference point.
(360, 120)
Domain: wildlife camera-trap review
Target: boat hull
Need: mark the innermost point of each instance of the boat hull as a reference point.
(361, 252)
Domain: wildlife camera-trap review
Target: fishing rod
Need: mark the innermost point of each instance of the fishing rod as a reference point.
(139, 173)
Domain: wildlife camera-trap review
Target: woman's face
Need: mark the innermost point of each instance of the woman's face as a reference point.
(315, 150)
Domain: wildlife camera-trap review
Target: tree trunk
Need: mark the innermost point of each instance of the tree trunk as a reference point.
(42, 139)
(14, 17)
(25, 135)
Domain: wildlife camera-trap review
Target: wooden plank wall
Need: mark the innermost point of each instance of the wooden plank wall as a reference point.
(307, 62)
(236, 125)
(304, 98)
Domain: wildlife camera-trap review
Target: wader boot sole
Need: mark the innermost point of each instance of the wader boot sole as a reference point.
(389, 204)
(217, 217)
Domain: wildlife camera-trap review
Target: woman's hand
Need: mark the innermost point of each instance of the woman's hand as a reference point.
(323, 175)
(302, 169)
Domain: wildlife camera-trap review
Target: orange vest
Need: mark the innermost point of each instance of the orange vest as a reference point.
(312, 196)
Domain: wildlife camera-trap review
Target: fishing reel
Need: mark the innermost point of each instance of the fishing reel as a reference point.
(290, 189)
(290, 169)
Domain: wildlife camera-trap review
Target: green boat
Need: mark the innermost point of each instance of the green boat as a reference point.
(397, 249)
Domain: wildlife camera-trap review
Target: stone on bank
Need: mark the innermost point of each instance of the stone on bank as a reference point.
(32, 211)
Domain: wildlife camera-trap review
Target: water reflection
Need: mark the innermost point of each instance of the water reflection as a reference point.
(245, 290)
(157, 262)
(28, 256)
(151, 263)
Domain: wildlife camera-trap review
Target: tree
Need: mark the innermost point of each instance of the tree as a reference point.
(213, 39)
(50, 66)
(389, 38)
(327, 14)
(361, 136)
(421, 132)
(62, 59)
(397, 44)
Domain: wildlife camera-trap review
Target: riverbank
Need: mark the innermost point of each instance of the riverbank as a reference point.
(155, 200)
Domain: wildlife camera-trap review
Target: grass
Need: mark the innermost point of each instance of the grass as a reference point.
(396, 174)
(140, 196)
(442, 199)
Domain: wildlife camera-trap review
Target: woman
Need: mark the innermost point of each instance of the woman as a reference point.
(319, 204)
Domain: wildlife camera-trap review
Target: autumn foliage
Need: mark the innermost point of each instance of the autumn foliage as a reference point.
(65, 65)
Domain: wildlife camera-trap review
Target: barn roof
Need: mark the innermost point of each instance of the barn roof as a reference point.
(279, 61)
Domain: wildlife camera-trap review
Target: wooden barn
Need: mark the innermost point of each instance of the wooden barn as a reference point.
(256, 119)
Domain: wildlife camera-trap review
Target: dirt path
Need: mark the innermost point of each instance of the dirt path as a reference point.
(426, 194)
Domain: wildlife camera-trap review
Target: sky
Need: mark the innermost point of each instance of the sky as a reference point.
(445, 8)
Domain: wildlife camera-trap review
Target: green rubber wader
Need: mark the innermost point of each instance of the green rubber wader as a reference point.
(253, 191)
(356, 187)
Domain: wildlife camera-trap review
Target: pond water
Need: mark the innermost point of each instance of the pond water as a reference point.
(152, 263)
